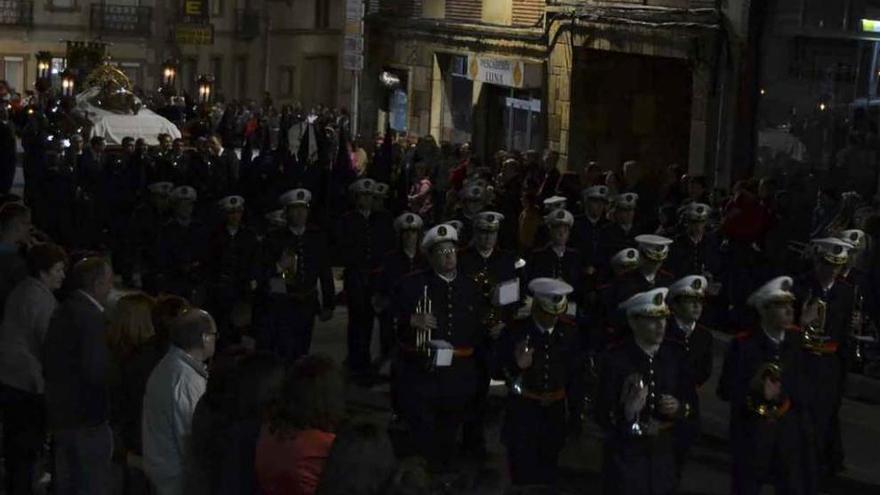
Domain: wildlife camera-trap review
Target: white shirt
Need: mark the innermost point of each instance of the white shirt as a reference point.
(559, 250)
(232, 232)
(173, 390)
(548, 331)
(777, 341)
(448, 278)
(297, 230)
(93, 300)
(486, 254)
(688, 328)
(650, 351)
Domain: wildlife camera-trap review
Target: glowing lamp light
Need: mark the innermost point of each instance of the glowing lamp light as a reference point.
(206, 88)
(68, 83)
(169, 73)
(44, 63)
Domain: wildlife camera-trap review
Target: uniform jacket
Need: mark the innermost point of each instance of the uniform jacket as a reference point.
(689, 258)
(459, 308)
(570, 268)
(641, 464)
(313, 260)
(363, 240)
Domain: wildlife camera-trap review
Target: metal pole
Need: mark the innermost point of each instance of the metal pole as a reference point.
(355, 103)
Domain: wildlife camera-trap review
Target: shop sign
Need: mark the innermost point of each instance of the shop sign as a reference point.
(195, 10)
(504, 72)
(194, 34)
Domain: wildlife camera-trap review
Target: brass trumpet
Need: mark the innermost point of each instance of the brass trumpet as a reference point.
(814, 333)
(755, 401)
(423, 335)
(290, 272)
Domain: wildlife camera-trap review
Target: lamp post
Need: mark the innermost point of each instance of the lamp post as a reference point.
(206, 88)
(68, 83)
(169, 73)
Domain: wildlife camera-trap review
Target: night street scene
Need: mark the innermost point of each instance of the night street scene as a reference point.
(439, 247)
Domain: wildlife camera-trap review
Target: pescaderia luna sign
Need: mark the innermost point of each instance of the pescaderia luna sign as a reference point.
(511, 73)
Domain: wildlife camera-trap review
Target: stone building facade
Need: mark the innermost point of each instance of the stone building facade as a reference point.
(606, 81)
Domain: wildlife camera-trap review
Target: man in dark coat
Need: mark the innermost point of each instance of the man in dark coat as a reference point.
(488, 266)
(645, 392)
(621, 232)
(76, 367)
(295, 260)
(556, 259)
(765, 380)
(684, 328)
(825, 305)
(15, 226)
(438, 309)
(180, 248)
(7, 151)
(362, 237)
(231, 263)
(541, 360)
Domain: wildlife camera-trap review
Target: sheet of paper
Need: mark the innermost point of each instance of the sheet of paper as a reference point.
(506, 293)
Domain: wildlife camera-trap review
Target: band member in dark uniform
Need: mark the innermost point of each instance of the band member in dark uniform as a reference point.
(686, 302)
(541, 360)
(653, 251)
(557, 260)
(588, 226)
(232, 266)
(144, 227)
(645, 392)
(764, 379)
(696, 251)
(473, 201)
(439, 313)
(619, 234)
(826, 303)
(363, 236)
(396, 265)
(295, 260)
(181, 244)
(487, 265)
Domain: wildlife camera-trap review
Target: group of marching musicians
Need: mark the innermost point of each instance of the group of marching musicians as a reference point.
(603, 321)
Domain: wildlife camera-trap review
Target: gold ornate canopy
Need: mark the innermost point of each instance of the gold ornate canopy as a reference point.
(114, 90)
(107, 76)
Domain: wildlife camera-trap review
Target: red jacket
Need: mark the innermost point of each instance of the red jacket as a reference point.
(291, 465)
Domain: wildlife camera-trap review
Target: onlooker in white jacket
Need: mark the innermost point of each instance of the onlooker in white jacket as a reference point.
(173, 390)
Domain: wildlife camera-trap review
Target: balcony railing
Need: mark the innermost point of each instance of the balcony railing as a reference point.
(16, 13)
(125, 20)
(247, 24)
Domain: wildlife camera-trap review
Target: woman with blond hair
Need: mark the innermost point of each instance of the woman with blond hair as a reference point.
(130, 329)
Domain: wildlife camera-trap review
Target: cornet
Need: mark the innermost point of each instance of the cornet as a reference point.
(423, 335)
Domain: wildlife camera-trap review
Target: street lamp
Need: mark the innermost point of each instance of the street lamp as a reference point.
(68, 82)
(44, 63)
(206, 88)
(169, 73)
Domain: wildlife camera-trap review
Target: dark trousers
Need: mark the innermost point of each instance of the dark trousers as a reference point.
(24, 433)
(434, 424)
(780, 454)
(7, 174)
(534, 434)
(827, 376)
(285, 327)
(360, 320)
(473, 430)
(83, 461)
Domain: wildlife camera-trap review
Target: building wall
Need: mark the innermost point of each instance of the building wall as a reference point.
(293, 40)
